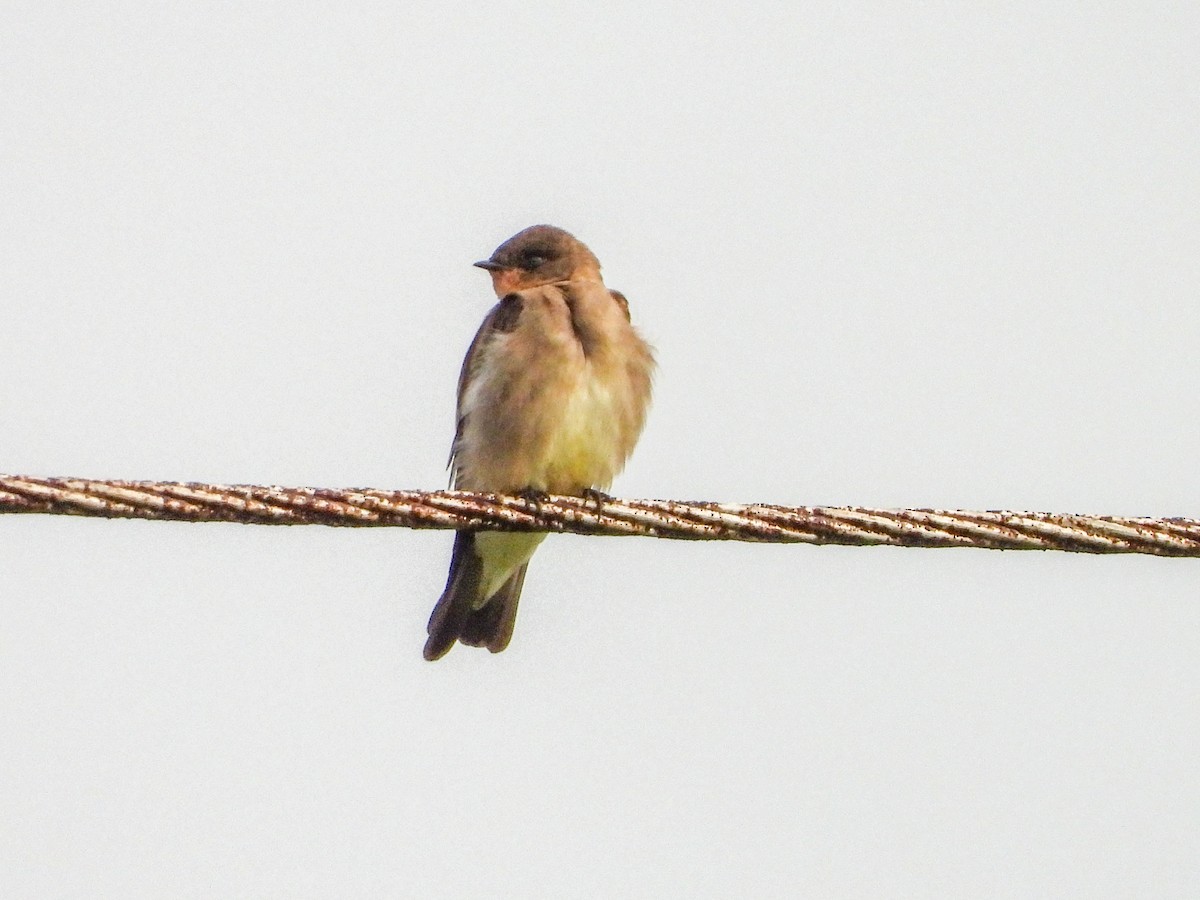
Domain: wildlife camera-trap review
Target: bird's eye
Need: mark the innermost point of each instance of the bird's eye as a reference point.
(533, 262)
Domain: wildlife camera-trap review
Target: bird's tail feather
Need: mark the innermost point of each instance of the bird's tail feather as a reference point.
(492, 625)
(457, 615)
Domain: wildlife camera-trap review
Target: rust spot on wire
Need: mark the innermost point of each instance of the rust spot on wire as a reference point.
(674, 519)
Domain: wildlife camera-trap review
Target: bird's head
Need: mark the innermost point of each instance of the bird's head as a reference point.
(541, 254)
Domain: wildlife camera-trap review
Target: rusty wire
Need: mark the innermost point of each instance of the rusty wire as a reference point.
(852, 525)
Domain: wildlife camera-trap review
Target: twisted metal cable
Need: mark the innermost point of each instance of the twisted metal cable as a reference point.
(599, 515)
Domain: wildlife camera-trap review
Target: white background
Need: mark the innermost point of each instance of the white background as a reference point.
(893, 255)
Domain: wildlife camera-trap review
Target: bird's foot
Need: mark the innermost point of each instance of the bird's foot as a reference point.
(597, 497)
(534, 498)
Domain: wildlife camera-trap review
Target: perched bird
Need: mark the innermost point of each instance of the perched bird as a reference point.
(552, 397)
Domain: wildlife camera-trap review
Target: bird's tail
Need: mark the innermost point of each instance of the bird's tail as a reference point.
(458, 614)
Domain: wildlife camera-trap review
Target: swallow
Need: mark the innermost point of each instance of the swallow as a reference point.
(552, 398)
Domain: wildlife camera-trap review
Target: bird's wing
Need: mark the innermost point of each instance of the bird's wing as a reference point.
(622, 301)
(502, 318)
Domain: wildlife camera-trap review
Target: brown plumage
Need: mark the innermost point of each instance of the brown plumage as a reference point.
(552, 397)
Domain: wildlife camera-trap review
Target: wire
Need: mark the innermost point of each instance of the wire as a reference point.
(599, 515)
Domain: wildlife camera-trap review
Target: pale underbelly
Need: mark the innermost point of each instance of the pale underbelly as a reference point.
(502, 554)
(583, 445)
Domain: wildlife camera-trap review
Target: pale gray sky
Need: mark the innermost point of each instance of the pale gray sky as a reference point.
(890, 254)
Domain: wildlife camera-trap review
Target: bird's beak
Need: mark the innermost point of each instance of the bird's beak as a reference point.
(489, 265)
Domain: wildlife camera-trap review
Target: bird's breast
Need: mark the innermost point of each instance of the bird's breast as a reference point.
(583, 444)
(556, 404)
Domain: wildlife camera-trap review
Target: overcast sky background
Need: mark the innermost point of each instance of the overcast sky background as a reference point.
(890, 254)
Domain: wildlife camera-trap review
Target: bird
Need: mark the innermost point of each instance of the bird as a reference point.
(552, 397)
